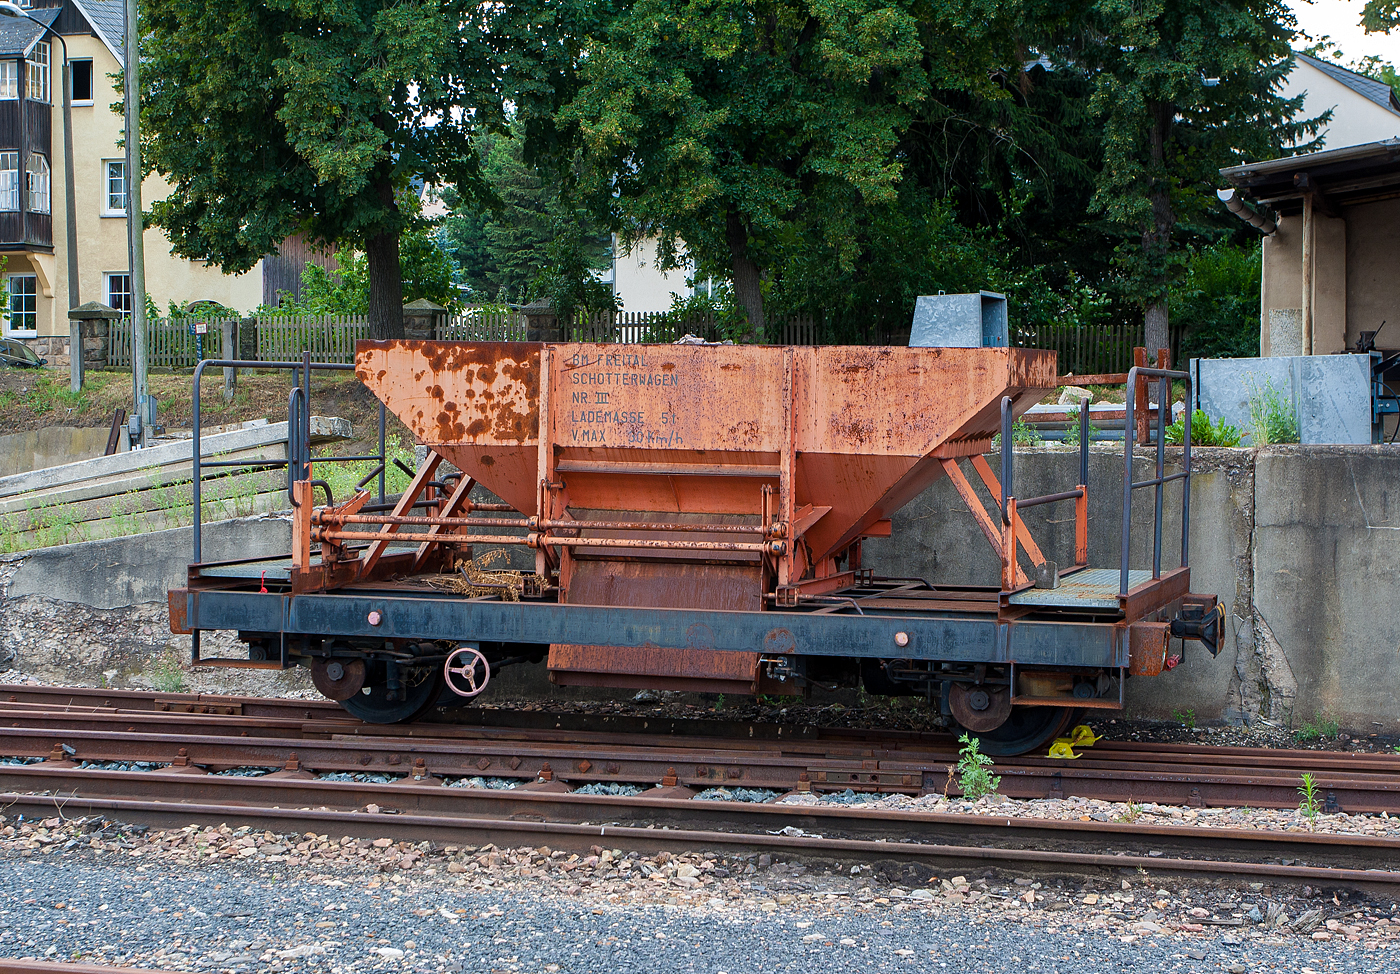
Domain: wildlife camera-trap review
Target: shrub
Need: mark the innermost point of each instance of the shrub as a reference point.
(1204, 431)
(1218, 298)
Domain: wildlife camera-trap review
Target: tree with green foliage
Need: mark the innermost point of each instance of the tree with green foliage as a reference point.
(532, 240)
(1218, 299)
(749, 132)
(425, 271)
(1380, 16)
(295, 116)
(1182, 88)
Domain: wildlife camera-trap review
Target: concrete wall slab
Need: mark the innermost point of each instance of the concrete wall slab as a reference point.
(1331, 394)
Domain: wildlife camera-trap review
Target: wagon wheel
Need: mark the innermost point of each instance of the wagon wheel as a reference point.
(1027, 729)
(421, 690)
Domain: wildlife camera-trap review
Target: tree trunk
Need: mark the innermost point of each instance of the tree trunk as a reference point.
(385, 277)
(1155, 325)
(1157, 238)
(747, 279)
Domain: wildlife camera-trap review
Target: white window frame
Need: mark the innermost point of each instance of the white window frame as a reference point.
(33, 301)
(9, 181)
(107, 279)
(107, 195)
(38, 183)
(92, 81)
(37, 72)
(9, 79)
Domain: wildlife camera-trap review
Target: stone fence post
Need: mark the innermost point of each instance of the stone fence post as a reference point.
(89, 331)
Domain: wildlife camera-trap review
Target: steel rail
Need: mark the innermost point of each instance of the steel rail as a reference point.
(581, 837)
(701, 763)
(541, 803)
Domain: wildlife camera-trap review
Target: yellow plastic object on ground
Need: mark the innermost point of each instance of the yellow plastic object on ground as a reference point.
(1083, 736)
(1062, 748)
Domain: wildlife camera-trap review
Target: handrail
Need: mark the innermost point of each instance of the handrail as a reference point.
(298, 439)
(1006, 464)
(1164, 378)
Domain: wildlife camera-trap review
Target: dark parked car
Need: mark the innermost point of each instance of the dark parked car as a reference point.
(16, 354)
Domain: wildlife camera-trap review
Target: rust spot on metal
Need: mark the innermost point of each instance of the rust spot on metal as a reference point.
(487, 460)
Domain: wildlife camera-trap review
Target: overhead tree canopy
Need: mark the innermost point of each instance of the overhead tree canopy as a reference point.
(1182, 88)
(740, 128)
(273, 118)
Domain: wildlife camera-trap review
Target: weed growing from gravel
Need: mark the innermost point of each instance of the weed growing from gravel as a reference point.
(974, 770)
(1187, 718)
(167, 675)
(1320, 727)
(1309, 805)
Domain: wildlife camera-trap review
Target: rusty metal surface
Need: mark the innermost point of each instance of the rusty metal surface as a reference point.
(580, 837)
(428, 798)
(1148, 643)
(861, 421)
(819, 443)
(1176, 774)
(660, 583)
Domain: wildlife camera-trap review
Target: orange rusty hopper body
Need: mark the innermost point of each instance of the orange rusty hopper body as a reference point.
(762, 466)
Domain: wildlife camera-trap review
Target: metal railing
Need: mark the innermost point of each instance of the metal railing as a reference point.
(298, 462)
(1011, 507)
(1164, 379)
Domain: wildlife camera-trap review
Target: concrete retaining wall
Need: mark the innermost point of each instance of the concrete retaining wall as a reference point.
(1301, 543)
(52, 445)
(96, 613)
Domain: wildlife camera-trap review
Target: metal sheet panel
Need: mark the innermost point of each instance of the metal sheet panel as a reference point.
(678, 585)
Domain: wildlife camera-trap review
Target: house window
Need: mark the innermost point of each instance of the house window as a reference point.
(39, 72)
(9, 181)
(114, 186)
(24, 305)
(119, 292)
(9, 79)
(37, 179)
(82, 82)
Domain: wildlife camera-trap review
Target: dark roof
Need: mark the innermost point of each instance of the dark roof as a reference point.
(1370, 89)
(17, 34)
(108, 18)
(1349, 175)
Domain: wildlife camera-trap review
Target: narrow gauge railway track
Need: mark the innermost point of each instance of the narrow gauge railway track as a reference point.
(549, 805)
(1175, 774)
(930, 845)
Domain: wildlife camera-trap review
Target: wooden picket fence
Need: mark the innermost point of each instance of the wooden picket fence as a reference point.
(633, 328)
(482, 325)
(169, 342)
(331, 338)
(1091, 349)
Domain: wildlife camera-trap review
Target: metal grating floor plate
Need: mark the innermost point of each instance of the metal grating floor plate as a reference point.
(1092, 588)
